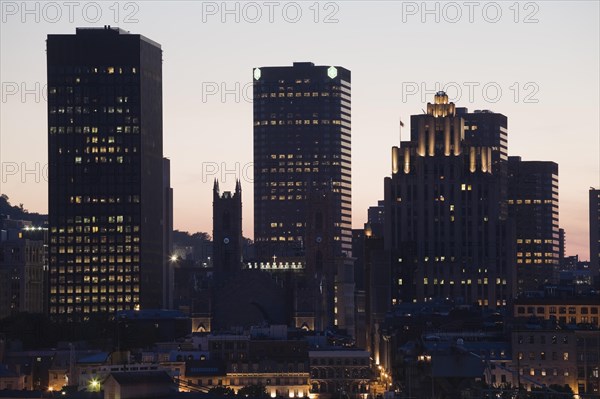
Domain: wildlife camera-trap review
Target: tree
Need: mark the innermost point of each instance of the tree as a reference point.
(253, 391)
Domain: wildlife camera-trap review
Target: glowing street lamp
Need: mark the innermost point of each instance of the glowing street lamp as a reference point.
(94, 385)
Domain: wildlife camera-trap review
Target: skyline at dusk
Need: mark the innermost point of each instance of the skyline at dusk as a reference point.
(300, 199)
(549, 95)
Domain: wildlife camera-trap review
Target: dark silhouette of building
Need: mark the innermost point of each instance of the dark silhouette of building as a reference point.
(595, 232)
(562, 247)
(22, 263)
(445, 225)
(302, 190)
(227, 230)
(376, 218)
(239, 297)
(105, 173)
(533, 204)
(168, 260)
(302, 140)
(325, 291)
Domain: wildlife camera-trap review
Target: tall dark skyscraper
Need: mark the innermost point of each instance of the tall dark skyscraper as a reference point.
(302, 187)
(302, 138)
(445, 224)
(105, 173)
(533, 204)
(595, 232)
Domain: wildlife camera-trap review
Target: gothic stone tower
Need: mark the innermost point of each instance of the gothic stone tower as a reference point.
(227, 231)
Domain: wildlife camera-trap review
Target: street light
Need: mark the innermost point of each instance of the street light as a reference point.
(94, 385)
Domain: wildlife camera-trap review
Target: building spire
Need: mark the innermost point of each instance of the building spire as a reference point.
(216, 188)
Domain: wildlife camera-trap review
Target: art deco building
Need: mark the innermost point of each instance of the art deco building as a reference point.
(105, 173)
(445, 225)
(533, 204)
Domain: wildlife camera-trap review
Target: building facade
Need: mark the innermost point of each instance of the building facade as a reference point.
(544, 357)
(445, 220)
(22, 260)
(302, 141)
(105, 171)
(302, 188)
(583, 310)
(533, 204)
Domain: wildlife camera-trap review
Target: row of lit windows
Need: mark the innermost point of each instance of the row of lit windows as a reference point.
(103, 140)
(88, 309)
(480, 302)
(296, 94)
(300, 184)
(117, 249)
(118, 159)
(291, 238)
(280, 224)
(536, 254)
(134, 129)
(95, 259)
(106, 150)
(295, 170)
(102, 289)
(536, 261)
(436, 259)
(93, 229)
(109, 70)
(542, 372)
(527, 202)
(299, 156)
(96, 240)
(301, 163)
(92, 219)
(462, 282)
(298, 122)
(90, 299)
(86, 268)
(553, 310)
(81, 199)
(83, 110)
(115, 238)
(535, 241)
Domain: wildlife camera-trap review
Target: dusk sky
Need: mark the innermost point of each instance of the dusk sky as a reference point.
(535, 62)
